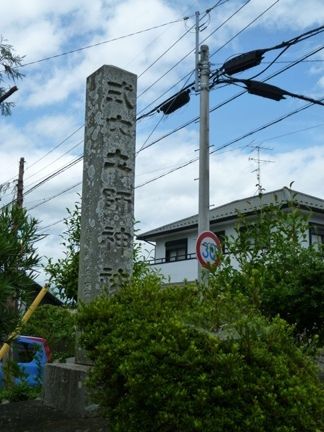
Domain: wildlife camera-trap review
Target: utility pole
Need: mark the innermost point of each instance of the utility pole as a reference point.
(197, 53)
(20, 184)
(203, 215)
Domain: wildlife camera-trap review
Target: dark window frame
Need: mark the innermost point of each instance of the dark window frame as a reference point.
(176, 246)
(318, 230)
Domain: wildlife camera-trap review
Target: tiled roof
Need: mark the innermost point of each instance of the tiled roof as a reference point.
(245, 205)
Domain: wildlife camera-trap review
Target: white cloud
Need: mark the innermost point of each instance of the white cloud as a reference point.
(292, 14)
(55, 127)
(176, 196)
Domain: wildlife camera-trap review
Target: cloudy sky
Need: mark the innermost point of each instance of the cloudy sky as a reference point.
(156, 39)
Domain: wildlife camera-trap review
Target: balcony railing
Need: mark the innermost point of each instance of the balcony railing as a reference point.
(188, 256)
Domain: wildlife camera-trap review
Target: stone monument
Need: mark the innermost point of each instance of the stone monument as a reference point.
(107, 216)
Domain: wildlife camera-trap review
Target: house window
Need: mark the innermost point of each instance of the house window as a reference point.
(176, 250)
(316, 234)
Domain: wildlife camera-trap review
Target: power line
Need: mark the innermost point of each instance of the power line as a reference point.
(245, 27)
(248, 134)
(213, 32)
(235, 140)
(190, 52)
(56, 147)
(52, 224)
(54, 174)
(185, 18)
(191, 161)
(160, 120)
(167, 173)
(104, 42)
(180, 127)
(265, 126)
(54, 196)
(190, 73)
(214, 108)
(73, 162)
(284, 61)
(166, 51)
(285, 44)
(63, 141)
(284, 69)
(292, 133)
(207, 11)
(55, 160)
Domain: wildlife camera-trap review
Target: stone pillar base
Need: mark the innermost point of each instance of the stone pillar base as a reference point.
(64, 389)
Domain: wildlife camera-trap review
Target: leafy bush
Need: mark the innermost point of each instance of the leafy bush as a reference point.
(20, 392)
(183, 359)
(57, 325)
(276, 271)
(12, 390)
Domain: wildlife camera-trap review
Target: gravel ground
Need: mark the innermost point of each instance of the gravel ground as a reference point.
(33, 416)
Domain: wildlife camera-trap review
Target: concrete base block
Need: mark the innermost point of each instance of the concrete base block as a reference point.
(64, 389)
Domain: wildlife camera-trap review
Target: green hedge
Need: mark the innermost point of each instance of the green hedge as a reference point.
(180, 359)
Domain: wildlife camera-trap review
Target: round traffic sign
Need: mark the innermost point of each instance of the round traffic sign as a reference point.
(207, 246)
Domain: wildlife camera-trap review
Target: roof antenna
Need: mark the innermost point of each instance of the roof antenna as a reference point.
(260, 189)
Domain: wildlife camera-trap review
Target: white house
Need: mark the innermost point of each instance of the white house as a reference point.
(175, 243)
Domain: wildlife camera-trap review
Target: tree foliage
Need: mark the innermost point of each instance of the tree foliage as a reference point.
(9, 62)
(183, 359)
(18, 262)
(57, 325)
(64, 272)
(276, 269)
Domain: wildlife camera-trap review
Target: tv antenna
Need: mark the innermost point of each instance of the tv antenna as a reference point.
(258, 160)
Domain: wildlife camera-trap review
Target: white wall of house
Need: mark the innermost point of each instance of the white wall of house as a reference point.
(174, 271)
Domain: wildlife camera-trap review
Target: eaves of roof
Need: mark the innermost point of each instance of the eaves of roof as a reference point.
(245, 206)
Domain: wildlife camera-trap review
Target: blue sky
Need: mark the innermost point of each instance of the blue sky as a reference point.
(51, 97)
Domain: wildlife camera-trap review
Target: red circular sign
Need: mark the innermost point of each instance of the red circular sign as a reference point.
(207, 246)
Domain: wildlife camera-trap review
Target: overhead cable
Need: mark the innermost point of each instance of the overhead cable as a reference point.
(265, 126)
(55, 196)
(185, 124)
(207, 11)
(234, 141)
(286, 44)
(105, 42)
(189, 74)
(56, 147)
(54, 174)
(195, 119)
(57, 159)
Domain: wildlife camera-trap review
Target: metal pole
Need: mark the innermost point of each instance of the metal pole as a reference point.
(197, 53)
(203, 217)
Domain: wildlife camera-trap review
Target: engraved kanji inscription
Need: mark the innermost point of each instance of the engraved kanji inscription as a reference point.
(120, 93)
